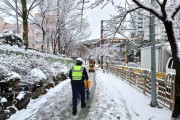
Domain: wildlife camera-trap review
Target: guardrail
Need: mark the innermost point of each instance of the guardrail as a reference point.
(141, 79)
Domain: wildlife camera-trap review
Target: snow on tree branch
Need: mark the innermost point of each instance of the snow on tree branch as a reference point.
(149, 8)
(159, 2)
(98, 2)
(176, 8)
(124, 16)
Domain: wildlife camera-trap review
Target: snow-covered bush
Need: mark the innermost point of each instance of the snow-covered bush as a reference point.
(11, 76)
(35, 76)
(26, 75)
(3, 71)
(12, 38)
(58, 68)
(48, 72)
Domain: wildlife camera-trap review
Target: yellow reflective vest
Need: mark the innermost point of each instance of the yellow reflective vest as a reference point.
(77, 72)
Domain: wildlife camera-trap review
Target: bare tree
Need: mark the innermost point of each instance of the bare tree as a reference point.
(42, 20)
(80, 31)
(64, 17)
(9, 8)
(25, 22)
(66, 27)
(63, 11)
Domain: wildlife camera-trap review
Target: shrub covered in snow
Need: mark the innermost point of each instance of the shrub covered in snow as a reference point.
(31, 72)
(11, 38)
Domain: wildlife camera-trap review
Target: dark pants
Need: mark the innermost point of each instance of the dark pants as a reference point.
(75, 89)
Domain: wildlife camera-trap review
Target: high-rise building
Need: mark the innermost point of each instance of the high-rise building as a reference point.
(142, 23)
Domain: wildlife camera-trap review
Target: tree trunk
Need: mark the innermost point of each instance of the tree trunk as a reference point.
(59, 34)
(64, 50)
(54, 49)
(58, 40)
(176, 110)
(176, 65)
(42, 46)
(25, 22)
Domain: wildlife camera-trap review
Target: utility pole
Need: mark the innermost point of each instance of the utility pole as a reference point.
(101, 39)
(101, 32)
(154, 102)
(17, 21)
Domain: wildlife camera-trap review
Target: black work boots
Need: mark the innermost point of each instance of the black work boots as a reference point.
(83, 105)
(74, 112)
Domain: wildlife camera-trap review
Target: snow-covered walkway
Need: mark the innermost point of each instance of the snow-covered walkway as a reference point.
(113, 99)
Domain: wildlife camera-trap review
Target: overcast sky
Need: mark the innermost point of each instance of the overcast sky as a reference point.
(94, 17)
(97, 14)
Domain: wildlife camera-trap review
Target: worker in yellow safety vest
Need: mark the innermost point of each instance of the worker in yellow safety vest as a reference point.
(78, 75)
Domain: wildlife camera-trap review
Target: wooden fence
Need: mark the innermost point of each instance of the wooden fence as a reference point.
(141, 79)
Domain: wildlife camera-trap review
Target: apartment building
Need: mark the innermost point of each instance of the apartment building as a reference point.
(2, 24)
(35, 35)
(142, 22)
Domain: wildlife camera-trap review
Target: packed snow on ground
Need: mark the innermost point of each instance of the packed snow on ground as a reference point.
(113, 99)
(116, 99)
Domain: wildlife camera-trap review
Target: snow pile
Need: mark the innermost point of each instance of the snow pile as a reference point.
(30, 66)
(36, 75)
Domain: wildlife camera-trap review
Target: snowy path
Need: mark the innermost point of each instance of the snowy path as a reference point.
(55, 105)
(113, 100)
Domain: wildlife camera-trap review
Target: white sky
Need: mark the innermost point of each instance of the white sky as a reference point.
(94, 17)
(112, 99)
(97, 14)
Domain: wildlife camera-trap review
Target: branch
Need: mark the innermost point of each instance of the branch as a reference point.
(175, 11)
(104, 4)
(10, 5)
(158, 2)
(163, 6)
(164, 3)
(124, 18)
(148, 8)
(32, 7)
(132, 15)
(7, 12)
